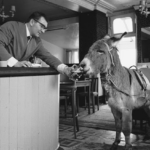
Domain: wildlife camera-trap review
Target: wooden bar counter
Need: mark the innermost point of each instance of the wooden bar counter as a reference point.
(29, 109)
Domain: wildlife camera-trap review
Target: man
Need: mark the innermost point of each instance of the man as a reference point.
(16, 49)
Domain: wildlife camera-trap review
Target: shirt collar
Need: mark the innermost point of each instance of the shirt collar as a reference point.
(27, 31)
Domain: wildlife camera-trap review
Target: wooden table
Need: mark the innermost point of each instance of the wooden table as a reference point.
(73, 85)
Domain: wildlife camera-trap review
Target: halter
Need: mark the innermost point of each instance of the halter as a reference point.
(109, 50)
(108, 75)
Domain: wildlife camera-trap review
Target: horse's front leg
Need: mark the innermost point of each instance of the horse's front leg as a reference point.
(127, 126)
(118, 125)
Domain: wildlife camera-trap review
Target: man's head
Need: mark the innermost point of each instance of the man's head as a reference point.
(37, 23)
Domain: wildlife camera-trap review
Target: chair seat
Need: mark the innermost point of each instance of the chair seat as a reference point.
(65, 94)
(85, 93)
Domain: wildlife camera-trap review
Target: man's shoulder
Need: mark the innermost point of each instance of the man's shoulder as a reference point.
(13, 23)
(16, 23)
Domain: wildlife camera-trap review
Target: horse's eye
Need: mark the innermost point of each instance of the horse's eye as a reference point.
(100, 52)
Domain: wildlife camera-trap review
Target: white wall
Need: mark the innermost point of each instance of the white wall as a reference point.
(57, 51)
(65, 37)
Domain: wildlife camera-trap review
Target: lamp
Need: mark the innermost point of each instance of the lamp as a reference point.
(2, 11)
(143, 8)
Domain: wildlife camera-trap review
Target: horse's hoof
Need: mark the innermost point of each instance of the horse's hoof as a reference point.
(114, 146)
(128, 147)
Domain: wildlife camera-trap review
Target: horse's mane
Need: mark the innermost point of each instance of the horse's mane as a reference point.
(116, 56)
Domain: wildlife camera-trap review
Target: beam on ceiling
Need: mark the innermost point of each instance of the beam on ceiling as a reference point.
(84, 5)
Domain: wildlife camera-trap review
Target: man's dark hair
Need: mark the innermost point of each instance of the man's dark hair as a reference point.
(36, 16)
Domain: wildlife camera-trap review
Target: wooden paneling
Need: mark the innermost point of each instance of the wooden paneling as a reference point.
(29, 108)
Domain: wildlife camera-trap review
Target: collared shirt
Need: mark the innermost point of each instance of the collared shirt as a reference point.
(27, 31)
(12, 61)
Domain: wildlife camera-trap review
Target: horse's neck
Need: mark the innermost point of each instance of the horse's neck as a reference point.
(119, 79)
(118, 73)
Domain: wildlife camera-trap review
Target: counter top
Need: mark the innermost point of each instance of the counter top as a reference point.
(15, 72)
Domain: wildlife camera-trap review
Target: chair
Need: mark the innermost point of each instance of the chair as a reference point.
(72, 86)
(64, 95)
(93, 94)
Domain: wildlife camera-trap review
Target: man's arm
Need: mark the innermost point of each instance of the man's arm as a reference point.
(52, 61)
(12, 62)
(47, 57)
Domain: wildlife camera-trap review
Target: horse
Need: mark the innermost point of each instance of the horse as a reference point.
(124, 91)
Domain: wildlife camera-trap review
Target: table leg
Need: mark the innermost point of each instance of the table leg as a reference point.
(89, 96)
(74, 112)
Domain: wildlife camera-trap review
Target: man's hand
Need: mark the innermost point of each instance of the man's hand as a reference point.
(72, 72)
(23, 64)
(68, 71)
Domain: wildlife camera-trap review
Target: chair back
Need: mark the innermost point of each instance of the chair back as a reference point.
(94, 84)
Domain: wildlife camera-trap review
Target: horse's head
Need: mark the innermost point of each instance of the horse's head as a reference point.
(99, 57)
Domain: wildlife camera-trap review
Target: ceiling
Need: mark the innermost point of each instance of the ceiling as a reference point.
(58, 9)
(25, 7)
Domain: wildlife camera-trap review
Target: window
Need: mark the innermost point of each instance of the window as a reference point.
(72, 56)
(121, 25)
(127, 51)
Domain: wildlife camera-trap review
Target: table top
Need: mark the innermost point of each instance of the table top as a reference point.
(26, 71)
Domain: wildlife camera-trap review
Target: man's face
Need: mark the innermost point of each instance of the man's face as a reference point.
(38, 26)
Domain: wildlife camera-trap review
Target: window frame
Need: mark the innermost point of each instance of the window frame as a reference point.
(131, 15)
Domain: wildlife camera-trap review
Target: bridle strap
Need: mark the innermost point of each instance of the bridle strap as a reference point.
(109, 50)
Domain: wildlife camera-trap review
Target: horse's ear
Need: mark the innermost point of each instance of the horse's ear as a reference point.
(115, 40)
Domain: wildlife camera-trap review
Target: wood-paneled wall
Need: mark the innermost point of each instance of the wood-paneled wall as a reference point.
(29, 108)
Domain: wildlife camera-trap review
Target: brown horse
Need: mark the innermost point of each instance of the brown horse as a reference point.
(124, 91)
